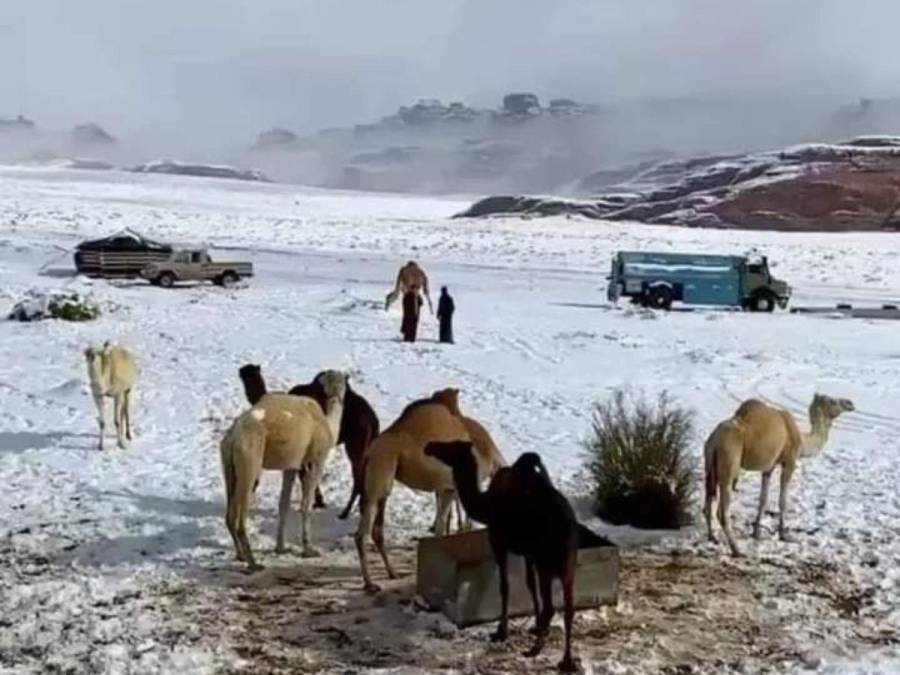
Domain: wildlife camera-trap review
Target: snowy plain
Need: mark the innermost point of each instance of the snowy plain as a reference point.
(119, 562)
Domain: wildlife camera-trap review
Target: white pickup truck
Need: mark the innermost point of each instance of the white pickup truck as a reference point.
(195, 265)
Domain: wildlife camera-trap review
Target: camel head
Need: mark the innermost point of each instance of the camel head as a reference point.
(829, 408)
(448, 397)
(249, 370)
(334, 383)
(94, 355)
(530, 464)
(452, 453)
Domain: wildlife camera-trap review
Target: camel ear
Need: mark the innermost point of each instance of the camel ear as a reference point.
(88, 352)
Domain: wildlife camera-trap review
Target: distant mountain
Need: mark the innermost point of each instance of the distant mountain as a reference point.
(849, 186)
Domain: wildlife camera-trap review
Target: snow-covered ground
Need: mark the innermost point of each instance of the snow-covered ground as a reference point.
(119, 561)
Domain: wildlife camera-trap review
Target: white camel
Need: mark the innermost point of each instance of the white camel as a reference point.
(112, 371)
(285, 433)
(760, 437)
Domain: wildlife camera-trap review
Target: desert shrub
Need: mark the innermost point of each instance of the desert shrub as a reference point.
(37, 306)
(640, 463)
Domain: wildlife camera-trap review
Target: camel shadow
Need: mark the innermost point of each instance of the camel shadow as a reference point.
(136, 548)
(168, 506)
(20, 441)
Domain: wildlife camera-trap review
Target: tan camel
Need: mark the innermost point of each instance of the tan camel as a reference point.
(760, 437)
(281, 432)
(398, 453)
(112, 371)
(411, 277)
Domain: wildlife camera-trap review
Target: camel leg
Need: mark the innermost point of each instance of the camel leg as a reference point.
(763, 499)
(445, 501)
(128, 414)
(319, 502)
(567, 665)
(101, 418)
(707, 514)
(502, 631)
(230, 500)
(545, 580)
(363, 530)
(724, 517)
(310, 481)
(378, 480)
(787, 470)
(118, 419)
(284, 507)
(726, 470)
(242, 494)
(378, 538)
(532, 589)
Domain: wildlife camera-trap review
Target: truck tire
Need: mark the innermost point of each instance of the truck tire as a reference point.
(166, 280)
(762, 301)
(660, 297)
(228, 279)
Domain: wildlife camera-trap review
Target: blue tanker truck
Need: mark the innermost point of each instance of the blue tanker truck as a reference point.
(659, 279)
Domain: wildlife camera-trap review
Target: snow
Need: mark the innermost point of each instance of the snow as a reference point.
(120, 562)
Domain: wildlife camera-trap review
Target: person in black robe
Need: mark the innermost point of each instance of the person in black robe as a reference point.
(412, 303)
(446, 307)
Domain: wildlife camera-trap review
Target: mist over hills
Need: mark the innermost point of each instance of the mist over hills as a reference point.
(522, 145)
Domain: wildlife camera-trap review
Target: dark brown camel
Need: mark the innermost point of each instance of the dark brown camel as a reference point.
(525, 515)
(359, 423)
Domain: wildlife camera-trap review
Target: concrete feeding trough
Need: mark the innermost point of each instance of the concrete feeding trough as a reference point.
(458, 576)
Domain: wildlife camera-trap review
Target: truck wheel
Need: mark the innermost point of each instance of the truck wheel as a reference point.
(228, 279)
(660, 297)
(166, 279)
(762, 301)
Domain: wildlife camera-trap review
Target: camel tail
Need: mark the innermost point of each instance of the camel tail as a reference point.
(226, 452)
(711, 470)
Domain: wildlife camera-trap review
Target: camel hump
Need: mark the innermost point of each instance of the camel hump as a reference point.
(750, 407)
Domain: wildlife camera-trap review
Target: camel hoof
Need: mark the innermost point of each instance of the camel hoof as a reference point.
(567, 665)
(343, 515)
(281, 548)
(736, 553)
(537, 630)
(712, 539)
(499, 636)
(534, 651)
(757, 533)
(310, 553)
(372, 588)
(787, 538)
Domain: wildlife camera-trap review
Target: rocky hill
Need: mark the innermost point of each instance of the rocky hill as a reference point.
(847, 186)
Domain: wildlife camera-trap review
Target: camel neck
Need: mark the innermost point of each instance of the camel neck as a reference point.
(815, 440)
(254, 390)
(334, 409)
(474, 501)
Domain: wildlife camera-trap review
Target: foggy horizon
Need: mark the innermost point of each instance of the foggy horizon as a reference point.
(218, 75)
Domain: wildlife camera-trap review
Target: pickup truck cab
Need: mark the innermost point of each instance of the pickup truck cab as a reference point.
(195, 265)
(659, 279)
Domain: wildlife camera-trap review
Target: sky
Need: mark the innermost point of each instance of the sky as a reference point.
(226, 69)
